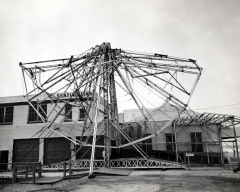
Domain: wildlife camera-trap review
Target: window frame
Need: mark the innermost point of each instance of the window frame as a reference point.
(40, 109)
(5, 115)
(197, 146)
(79, 115)
(67, 114)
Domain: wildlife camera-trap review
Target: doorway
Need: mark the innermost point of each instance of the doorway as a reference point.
(3, 159)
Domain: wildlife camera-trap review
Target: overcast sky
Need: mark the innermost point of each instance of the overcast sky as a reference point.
(207, 31)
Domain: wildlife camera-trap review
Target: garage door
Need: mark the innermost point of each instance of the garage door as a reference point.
(26, 150)
(56, 150)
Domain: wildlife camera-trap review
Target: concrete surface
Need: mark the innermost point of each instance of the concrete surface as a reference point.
(45, 174)
(172, 180)
(196, 179)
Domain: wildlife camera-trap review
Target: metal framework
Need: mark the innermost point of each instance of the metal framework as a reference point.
(117, 163)
(208, 118)
(204, 121)
(96, 80)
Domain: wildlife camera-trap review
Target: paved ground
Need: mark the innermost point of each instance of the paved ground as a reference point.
(197, 179)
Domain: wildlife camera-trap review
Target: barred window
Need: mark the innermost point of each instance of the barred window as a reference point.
(6, 115)
(68, 112)
(81, 114)
(33, 117)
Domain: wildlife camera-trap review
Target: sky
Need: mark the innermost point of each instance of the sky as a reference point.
(204, 30)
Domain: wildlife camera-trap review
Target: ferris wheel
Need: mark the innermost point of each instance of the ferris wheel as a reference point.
(103, 82)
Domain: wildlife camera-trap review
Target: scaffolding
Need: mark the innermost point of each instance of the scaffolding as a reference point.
(209, 121)
(88, 82)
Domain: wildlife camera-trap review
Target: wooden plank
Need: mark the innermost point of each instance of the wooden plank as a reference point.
(236, 169)
(48, 180)
(106, 171)
(113, 171)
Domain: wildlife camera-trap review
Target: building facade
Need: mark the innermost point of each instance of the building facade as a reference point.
(24, 138)
(190, 133)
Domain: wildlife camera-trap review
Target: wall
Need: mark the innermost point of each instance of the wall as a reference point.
(20, 129)
(209, 135)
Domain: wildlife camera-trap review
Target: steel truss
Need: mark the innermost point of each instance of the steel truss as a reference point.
(95, 80)
(116, 163)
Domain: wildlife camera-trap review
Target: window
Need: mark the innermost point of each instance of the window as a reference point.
(170, 142)
(6, 115)
(81, 114)
(33, 117)
(196, 139)
(68, 112)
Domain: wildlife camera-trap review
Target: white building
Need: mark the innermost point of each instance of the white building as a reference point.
(23, 137)
(191, 132)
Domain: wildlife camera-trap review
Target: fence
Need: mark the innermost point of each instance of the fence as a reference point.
(26, 169)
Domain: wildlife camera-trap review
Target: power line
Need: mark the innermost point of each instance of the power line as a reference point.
(226, 108)
(218, 106)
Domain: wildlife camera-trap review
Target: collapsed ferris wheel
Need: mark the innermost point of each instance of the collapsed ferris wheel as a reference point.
(103, 82)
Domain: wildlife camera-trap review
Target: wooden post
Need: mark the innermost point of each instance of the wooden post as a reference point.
(14, 174)
(39, 169)
(70, 167)
(33, 167)
(26, 175)
(235, 136)
(64, 169)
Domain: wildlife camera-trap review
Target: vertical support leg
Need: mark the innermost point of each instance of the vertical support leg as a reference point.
(114, 109)
(41, 149)
(93, 144)
(107, 136)
(70, 167)
(235, 137)
(94, 131)
(26, 176)
(14, 174)
(234, 153)
(64, 169)
(34, 169)
(206, 143)
(220, 145)
(188, 162)
(40, 170)
(175, 136)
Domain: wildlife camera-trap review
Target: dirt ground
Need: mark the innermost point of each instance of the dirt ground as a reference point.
(198, 180)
